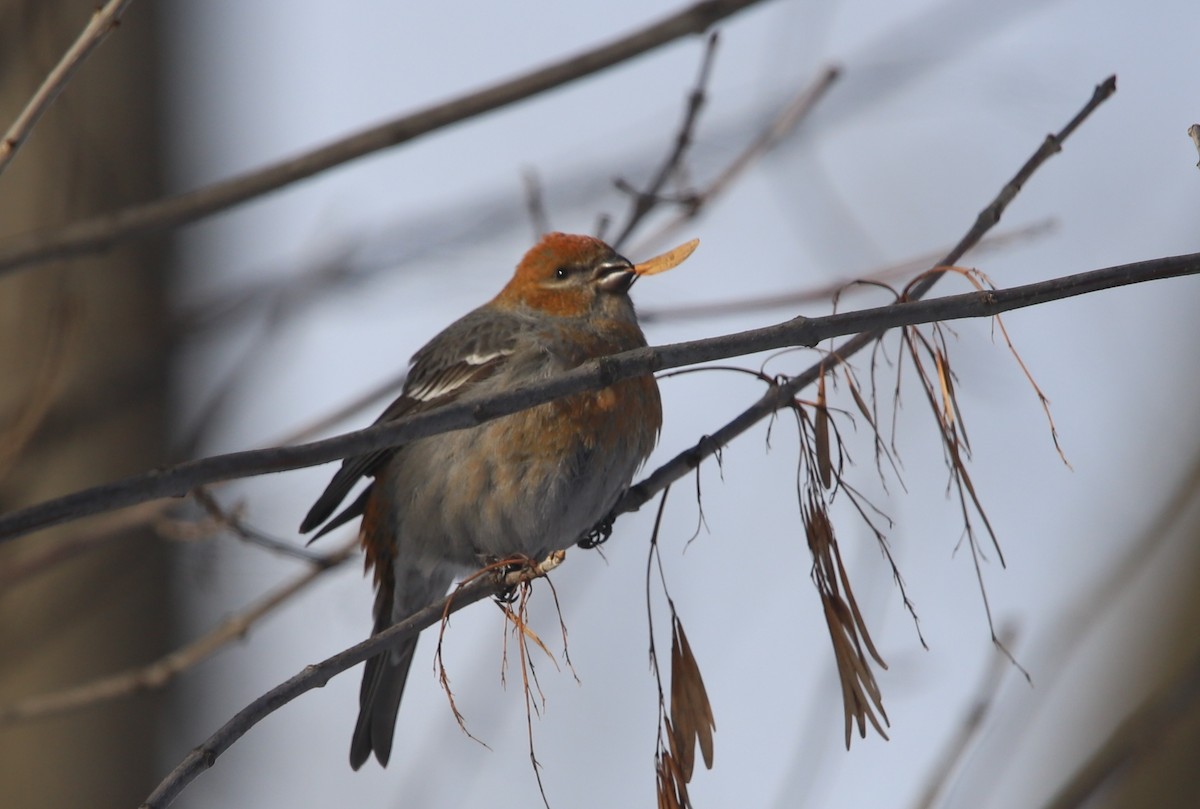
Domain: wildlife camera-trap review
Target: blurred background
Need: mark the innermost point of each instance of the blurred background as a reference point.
(253, 326)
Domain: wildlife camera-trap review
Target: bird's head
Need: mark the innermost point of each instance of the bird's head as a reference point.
(571, 276)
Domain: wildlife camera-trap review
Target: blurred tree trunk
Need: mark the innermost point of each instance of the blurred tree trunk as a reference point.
(83, 359)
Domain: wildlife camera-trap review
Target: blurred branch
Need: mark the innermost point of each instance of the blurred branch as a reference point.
(645, 201)
(180, 479)
(1138, 736)
(163, 670)
(387, 389)
(117, 526)
(91, 536)
(108, 229)
(783, 126)
(535, 202)
(61, 331)
(104, 20)
(970, 725)
(474, 589)
(232, 521)
(359, 256)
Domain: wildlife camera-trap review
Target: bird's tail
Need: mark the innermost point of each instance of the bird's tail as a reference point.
(379, 703)
(385, 674)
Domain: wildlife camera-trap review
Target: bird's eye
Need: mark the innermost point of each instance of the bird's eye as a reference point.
(561, 273)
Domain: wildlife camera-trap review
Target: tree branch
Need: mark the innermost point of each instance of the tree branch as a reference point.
(317, 675)
(782, 127)
(176, 481)
(106, 230)
(166, 668)
(103, 21)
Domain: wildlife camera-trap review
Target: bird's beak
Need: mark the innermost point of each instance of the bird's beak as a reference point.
(616, 275)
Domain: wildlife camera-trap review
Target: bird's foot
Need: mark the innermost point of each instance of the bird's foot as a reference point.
(511, 573)
(598, 535)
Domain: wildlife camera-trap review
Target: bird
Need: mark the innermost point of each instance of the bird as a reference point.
(528, 483)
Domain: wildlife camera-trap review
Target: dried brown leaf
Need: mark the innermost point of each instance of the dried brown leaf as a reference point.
(861, 697)
(852, 603)
(671, 787)
(518, 622)
(691, 711)
(821, 436)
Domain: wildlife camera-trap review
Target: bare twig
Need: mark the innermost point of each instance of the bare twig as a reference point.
(783, 126)
(233, 522)
(646, 200)
(104, 20)
(535, 202)
(343, 265)
(176, 481)
(165, 669)
(106, 230)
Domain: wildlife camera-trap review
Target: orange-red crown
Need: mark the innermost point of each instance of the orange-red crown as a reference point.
(556, 275)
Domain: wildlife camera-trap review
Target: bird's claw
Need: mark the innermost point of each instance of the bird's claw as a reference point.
(598, 535)
(510, 575)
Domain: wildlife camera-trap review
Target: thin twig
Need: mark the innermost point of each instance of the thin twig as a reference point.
(535, 202)
(106, 230)
(233, 522)
(783, 126)
(648, 199)
(166, 668)
(176, 481)
(104, 20)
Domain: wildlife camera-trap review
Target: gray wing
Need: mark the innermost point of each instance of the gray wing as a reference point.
(468, 351)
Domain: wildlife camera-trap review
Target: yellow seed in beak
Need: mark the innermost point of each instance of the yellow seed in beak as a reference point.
(668, 260)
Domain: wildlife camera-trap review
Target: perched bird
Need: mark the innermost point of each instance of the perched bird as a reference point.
(527, 483)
